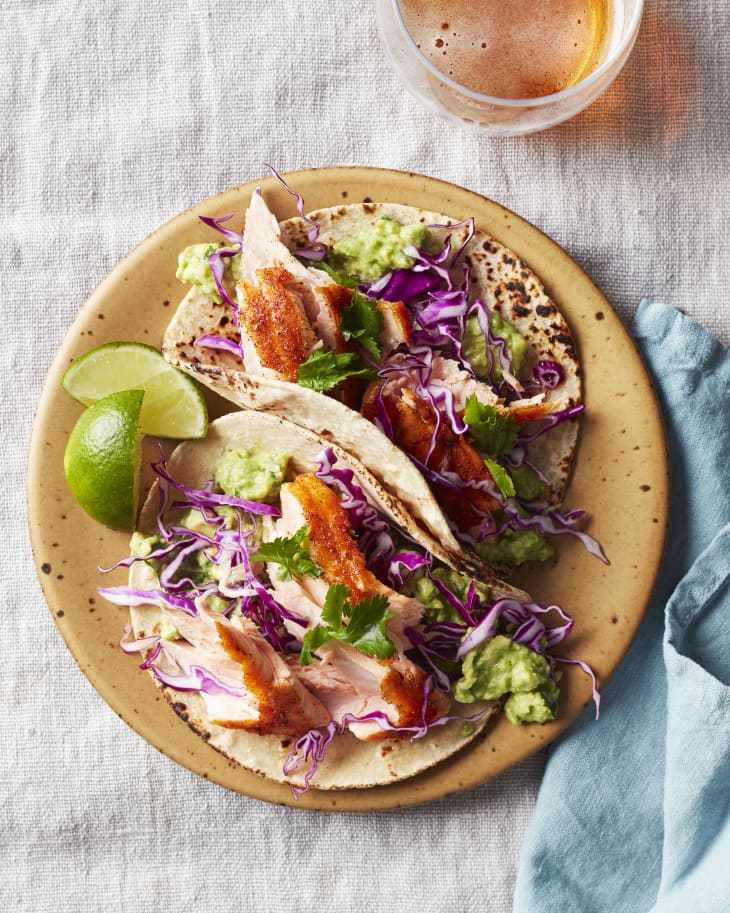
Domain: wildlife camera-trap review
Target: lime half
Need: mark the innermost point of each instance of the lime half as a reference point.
(102, 459)
(173, 405)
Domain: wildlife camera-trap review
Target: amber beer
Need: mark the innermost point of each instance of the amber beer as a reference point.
(512, 48)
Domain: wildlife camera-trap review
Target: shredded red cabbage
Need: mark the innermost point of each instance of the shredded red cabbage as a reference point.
(548, 374)
(127, 596)
(234, 237)
(595, 693)
(402, 285)
(310, 747)
(555, 524)
(196, 678)
(141, 643)
(318, 250)
(210, 341)
(217, 258)
(531, 631)
(550, 421)
(201, 499)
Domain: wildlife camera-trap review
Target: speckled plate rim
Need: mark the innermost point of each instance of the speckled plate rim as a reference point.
(621, 478)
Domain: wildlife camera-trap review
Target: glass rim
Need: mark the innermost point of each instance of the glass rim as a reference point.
(626, 40)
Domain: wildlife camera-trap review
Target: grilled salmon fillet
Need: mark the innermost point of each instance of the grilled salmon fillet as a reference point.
(276, 336)
(414, 425)
(344, 679)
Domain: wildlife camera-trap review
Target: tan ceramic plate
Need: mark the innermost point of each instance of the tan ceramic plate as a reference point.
(620, 478)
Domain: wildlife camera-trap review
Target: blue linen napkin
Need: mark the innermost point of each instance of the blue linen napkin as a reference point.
(634, 812)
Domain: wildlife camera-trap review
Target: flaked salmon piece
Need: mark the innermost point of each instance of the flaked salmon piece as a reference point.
(446, 373)
(275, 333)
(414, 429)
(324, 301)
(524, 411)
(347, 682)
(321, 298)
(262, 244)
(396, 325)
(308, 501)
(268, 698)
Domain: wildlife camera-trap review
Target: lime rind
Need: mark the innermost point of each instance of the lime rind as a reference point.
(110, 368)
(174, 406)
(102, 459)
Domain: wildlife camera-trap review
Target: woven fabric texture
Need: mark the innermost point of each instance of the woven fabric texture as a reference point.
(116, 117)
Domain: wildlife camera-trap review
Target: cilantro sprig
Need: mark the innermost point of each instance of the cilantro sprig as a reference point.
(502, 478)
(492, 433)
(364, 630)
(295, 560)
(324, 370)
(340, 277)
(362, 321)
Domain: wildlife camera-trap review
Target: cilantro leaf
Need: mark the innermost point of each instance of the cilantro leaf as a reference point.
(338, 275)
(295, 561)
(312, 641)
(492, 433)
(365, 629)
(501, 478)
(335, 605)
(362, 321)
(324, 370)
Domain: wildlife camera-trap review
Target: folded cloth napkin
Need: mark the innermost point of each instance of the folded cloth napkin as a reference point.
(634, 812)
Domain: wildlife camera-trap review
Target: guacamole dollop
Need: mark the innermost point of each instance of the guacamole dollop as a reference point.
(378, 249)
(436, 607)
(528, 486)
(516, 547)
(193, 267)
(252, 476)
(532, 706)
(140, 546)
(475, 351)
(500, 666)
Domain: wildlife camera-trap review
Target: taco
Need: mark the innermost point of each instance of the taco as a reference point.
(292, 619)
(420, 344)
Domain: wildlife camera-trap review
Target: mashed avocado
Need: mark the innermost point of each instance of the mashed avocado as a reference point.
(475, 350)
(528, 486)
(141, 546)
(252, 476)
(516, 547)
(500, 666)
(193, 268)
(377, 249)
(437, 607)
(532, 706)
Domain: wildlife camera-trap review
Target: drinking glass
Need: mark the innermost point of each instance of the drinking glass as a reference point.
(503, 116)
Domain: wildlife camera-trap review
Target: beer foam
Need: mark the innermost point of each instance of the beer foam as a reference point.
(510, 48)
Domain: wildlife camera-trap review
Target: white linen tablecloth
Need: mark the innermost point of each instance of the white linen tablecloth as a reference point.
(117, 116)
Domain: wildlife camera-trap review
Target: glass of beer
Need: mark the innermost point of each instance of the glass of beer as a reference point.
(508, 67)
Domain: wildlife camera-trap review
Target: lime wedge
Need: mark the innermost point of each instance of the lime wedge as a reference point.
(173, 405)
(102, 459)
